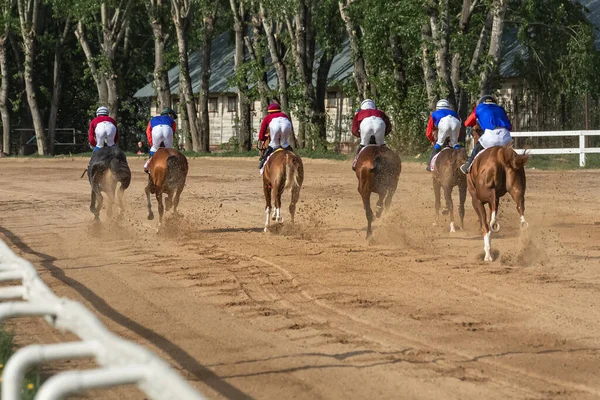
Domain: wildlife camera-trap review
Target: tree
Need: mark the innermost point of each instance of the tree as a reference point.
(181, 11)
(57, 82)
(240, 28)
(110, 33)
(277, 50)
(28, 18)
(354, 38)
(6, 7)
(158, 12)
(209, 20)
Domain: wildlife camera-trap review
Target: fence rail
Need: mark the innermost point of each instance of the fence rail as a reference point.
(121, 362)
(582, 150)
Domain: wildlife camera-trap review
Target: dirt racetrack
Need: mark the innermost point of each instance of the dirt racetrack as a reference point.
(313, 312)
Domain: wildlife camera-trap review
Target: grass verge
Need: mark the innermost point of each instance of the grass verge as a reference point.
(32, 380)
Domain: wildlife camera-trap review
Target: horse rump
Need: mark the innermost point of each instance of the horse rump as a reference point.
(177, 167)
(513, 160)
(292, 171)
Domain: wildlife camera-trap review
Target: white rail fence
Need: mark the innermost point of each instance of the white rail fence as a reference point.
(582, 150)
(121, 362)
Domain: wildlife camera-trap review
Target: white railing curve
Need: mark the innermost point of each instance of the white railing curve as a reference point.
(582, 150)
(121, 362)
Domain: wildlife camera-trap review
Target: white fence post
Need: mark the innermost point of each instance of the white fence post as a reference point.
(120, 361)
(582, 149)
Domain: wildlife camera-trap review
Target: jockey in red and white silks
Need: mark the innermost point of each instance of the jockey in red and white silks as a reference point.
(281, 131)
(103, 129)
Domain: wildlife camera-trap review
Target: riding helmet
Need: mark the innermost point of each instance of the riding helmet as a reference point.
(273, 108)
(169, 111)
(442, 104)
(367, 104)
(102, 111)
(488, 98)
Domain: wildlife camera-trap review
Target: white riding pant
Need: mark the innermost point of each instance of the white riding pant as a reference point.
(372, 126)
(161, 134)
(448, 126)
(281, 130)
(495, 137)
(105, 132)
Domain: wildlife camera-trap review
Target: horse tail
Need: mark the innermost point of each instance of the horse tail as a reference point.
(513, 160)
(292, 171)
(120, 171)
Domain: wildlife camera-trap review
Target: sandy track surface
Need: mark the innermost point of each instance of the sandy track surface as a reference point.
(313, 311)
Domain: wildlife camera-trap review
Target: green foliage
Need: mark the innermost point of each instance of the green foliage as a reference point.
(32, 380)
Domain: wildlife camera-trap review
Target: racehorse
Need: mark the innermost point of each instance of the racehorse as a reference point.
(495, 172)
(283, 170)
(167, 172)
(378, 170)
(445, 175)
(108, 166)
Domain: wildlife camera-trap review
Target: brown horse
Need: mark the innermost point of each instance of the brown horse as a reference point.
(283, 170)
(446, 174)
(497, 171)
(378, 170)
(167, 172)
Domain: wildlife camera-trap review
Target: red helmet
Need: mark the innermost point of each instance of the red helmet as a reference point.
(274, 107)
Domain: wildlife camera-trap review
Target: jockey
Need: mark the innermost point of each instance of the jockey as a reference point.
(446, 122)
(160, 131)
(494, 123)
(103, 129)
(370, 122)
(280, 128)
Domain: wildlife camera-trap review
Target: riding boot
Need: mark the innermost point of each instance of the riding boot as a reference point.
(266, 154)
(434, 151)
(360, 147)
(289, 148)
(147, 163)
(476, 149)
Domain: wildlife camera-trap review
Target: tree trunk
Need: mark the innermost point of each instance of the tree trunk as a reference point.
(186, 85)
(252, 46)
(28, 15)
(209, 27)
(499, 7)
(4, 111)
(277, 59)
(161, 78)
(399, 68)
(428, 72)
(239, 26)
(354, 36)
(56, 87)
(321, 94)
(184, 125)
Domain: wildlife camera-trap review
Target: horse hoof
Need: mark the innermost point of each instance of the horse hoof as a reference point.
(279, 220)
(524, 224)
(150, 217)
(452, 228)
(266, 230)
(445, 211)
(495, 227)
(488, 258)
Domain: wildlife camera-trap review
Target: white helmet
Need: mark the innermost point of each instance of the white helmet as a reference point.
(367, 104)
(102, 111)
(443, 103)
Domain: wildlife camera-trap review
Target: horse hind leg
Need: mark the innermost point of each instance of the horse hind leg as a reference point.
(379, 207)
(449, 206)
(176, 199)
(366, 198)
(437, 187)
(169, 200)
(149, 203)
(294, 201)
(485, 228)
(278, 191)
(161, 207)
(462, 192)
(267, 191)
(120, 193)
(96, 203)
(494, 202)
(519, 198)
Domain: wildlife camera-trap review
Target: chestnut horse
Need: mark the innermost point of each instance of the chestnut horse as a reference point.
(167, 172)
(282, 171)
(108, 166)
(378, 170)
(446, 174)
(497, 171)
